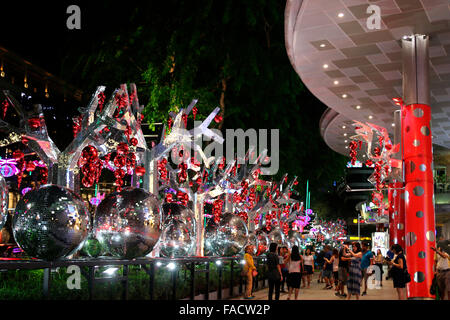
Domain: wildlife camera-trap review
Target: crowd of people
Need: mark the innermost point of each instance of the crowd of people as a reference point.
(347, 267)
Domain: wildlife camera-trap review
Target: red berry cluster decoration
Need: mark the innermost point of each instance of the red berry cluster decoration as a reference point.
(91, 166)
(101, 100)
(163, 174)
(217, 209)
(123, 158)
(353, 145)
(76, 125)
(5, 105)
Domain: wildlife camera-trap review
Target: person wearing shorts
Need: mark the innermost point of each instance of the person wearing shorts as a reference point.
(308, 262)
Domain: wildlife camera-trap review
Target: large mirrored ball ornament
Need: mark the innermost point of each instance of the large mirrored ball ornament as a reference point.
(181, 213)
(263, 243)
(253, 241)
(3, 201)
(176, 240)
(210, 238)
(128, 223)
(277, 236)
(93, 248)
(50, 223)
(231, 236)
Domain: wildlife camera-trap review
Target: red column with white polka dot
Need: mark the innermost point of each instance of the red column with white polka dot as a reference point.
(418, 196)
(398, 214)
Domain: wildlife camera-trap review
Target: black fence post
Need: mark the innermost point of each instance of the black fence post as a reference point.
(232, 278)
(47, 282)
(207, 281)
(257, 276)
(125, 282)
(240, 281)
(219, 287)
(192, 289)
(151, 280)
(174, 283)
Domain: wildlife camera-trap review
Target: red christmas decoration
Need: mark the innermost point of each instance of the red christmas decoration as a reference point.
(5, 105)
(140, 171)
(218, 118)
(34, 123)
(91, 166)
(101, 100)
(194, 112)
(353, 145)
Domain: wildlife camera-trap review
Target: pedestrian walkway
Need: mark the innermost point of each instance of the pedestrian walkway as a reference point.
(316, 292)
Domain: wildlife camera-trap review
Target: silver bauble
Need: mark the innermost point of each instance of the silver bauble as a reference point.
(3, 201)
(231, 235)
(277, 236)
(253, 240)
(263, 243)
(210, 238)
(51, 222)
(128, 223)
(181, 213)
(176, 240)
(92, 247)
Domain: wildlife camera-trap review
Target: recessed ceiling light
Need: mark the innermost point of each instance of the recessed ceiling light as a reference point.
(358, 107)
(370, 117)
(325, 66)
(322, 45)
(344, 96)
(340, 15)
(336, 82)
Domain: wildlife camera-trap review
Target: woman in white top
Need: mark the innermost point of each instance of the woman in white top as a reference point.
(308, 261)
(295, 276)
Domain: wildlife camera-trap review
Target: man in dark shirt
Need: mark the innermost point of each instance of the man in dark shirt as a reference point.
(319, 263)
(328, 268)
(344, 260)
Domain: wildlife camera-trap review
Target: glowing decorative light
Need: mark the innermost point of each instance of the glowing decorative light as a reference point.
(95, 201)
(25, 190)
(171, 266)
(325, 66)
(110, 271)
(340, 15)
(358, 107)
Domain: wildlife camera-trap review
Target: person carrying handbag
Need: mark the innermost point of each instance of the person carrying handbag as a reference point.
(399, 272)
(249, 271)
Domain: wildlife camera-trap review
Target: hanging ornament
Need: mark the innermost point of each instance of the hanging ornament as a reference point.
(5, 105)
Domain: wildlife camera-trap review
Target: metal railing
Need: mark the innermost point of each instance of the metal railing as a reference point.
(149, 266)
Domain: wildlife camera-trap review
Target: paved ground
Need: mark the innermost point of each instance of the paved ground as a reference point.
(316, 292)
